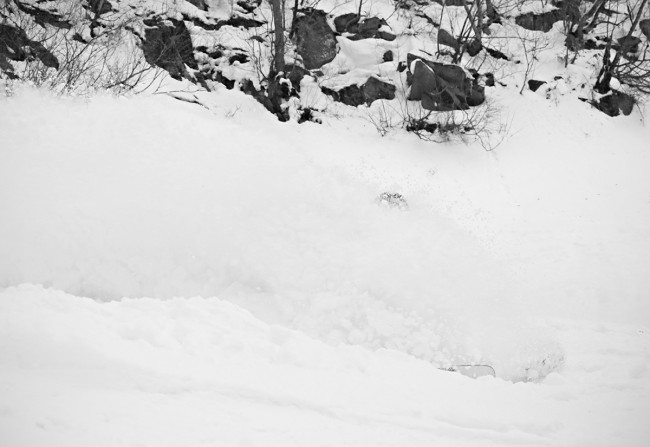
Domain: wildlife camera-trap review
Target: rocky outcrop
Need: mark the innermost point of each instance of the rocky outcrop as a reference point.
(355, 95)
(15, 45)
(315, 40)
(43, 16)
(167, 44)
(442, 87)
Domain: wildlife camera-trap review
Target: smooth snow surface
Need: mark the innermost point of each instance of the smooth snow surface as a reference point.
(179, 276)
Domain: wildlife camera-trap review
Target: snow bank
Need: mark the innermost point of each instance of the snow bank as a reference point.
(202, 371)
(152, 197)
(144, 202)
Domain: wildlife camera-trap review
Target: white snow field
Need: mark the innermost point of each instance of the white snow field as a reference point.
(176, 275)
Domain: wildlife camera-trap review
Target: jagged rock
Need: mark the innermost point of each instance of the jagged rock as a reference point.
(315, 39)
(168, 45)
(6, 68)
(625, 102)
(249, 5)
(452, 2)
(534, 84)
(15, 45)
(388, 56)
(343, 23)
(474, 47)
(615, 103)
(539, 22)
(628, 44)
(375, 89)
(352, 95)
(43, 16)
(489, 79)
(241, 21)
(368, 28)
(443, 87)
(644, 26)
(99, 7)
(199, 4)
(295, 74)
(496, 54)
(355, 95)
(445, 38)
(242, 58)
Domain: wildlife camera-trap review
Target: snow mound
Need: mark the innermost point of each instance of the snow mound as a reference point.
(188, 203)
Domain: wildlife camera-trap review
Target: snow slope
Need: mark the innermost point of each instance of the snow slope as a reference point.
(194, 276)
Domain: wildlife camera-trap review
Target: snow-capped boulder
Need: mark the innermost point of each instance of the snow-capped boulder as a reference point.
(357, 29)
(442, 87)
(615, 103)
(315, 39)
(357, 94)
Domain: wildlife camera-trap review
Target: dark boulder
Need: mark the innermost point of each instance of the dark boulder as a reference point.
(534, 84)
(355, 95)
(368, 28)
(625, 102)
(451, 2)
(445, 38)
(345, 22)
(99, 7)
(443, 87)
(168, 45)
(388, 56)
(43, 16)
(15, 45)
(315, 40)
(615, 103)
(249, 5)
(375, 89)
(627, 45)
(644, 26)
(474, 47)
(199, 4)
(295, 74)
(539, 22)
(496, 54)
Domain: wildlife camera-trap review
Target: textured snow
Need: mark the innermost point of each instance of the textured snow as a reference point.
(194, 276)
(180, 275)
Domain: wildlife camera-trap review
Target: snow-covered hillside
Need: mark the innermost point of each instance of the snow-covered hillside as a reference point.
(200, 276)
(180, 268)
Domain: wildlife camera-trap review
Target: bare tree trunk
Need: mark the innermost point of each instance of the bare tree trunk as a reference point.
(472, 19)
(607, 71)
(278, 21)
